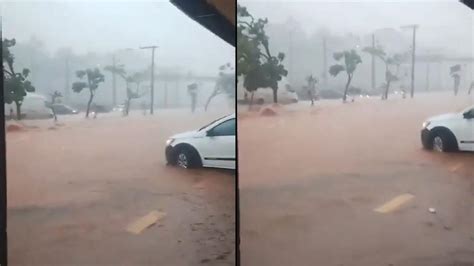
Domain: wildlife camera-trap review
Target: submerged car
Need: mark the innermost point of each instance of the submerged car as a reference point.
(119, 108)
(34, 106)
(62, 109)
(213, 145)
(285, 94)
(449, 132)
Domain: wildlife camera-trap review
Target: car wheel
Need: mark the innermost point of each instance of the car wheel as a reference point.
(187, 158)
(443, 142)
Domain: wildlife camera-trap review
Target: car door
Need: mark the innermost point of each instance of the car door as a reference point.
(220, 150)
(466, 139)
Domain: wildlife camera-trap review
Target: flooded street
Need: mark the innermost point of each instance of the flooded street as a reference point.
(74, 188)
(311, 178)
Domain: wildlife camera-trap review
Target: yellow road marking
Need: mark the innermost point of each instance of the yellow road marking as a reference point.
(144, 222)
(395, 203)
(456, 167)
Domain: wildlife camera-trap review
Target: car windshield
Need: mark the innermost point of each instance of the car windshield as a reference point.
(210, 123)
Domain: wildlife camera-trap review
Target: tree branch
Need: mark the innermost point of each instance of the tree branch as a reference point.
(8, 72)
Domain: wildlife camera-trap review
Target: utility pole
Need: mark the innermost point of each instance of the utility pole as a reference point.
(414, 28)
(152, 84)
(325, 64)
(373, 62)
(3, 179)
(114, 88)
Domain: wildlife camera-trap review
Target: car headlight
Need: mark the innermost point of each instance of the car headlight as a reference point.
(426, 124)
(169, 141)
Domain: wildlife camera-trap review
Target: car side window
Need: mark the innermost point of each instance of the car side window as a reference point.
(226, 128)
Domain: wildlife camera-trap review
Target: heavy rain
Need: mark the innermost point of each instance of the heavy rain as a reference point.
(356, 132)
(95, 92)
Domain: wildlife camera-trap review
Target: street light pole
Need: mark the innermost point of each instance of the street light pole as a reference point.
(414, 28)
(152, 88)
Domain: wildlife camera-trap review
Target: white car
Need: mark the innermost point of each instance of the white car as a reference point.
(34, 106)
(285, 93)
(213, 145)
(449, 132)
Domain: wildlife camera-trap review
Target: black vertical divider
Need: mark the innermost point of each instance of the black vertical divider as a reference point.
(3, 173)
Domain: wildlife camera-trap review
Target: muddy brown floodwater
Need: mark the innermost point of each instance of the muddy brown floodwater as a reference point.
(310, 179)
(74, 188)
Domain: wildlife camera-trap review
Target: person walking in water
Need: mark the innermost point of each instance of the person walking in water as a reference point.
(193, 91)
(470, 88)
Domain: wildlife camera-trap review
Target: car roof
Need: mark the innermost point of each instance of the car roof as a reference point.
(468, 108)
(227, 117)
(218, 121)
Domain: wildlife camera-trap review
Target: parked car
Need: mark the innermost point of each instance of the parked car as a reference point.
(119, 108)
(213, 145)
(62, 109)
(449, 132)
(101, 109)
(330, 94)
(34, 106)
(285, 93)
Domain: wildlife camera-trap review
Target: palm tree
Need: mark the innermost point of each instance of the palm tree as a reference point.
(90, 78)
(351, 60)
(394, 60)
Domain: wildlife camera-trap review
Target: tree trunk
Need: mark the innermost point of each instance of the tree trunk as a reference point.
(387, 88)
(18, 110)
(349, 78)
(251, 101)
(456, 86)
(275, 95)
(127, 106)
(214, 94)
(53, 101)
(387, 82)
(91, 97)
(54, 114)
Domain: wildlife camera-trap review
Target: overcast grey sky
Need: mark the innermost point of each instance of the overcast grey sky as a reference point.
(104, 26)
(445, 23)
